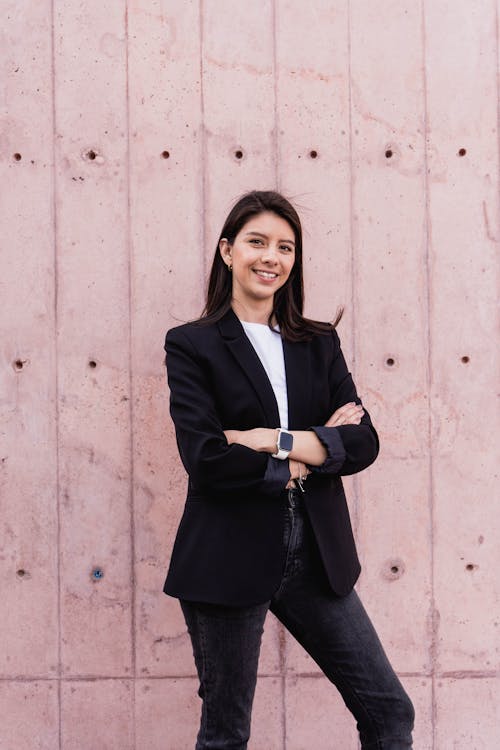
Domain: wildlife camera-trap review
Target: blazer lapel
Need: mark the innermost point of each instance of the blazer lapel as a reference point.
(298, 383)
(248, 359)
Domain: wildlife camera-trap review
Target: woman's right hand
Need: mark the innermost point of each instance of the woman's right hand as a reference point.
(350, 413)
(298, 470)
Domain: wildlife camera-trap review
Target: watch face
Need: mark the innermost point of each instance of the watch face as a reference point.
(286, 441)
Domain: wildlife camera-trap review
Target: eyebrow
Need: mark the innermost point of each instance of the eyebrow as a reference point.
(265, 236)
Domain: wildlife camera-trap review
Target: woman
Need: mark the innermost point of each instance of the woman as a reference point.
(267, 420)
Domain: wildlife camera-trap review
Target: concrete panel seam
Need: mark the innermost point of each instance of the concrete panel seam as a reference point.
(204, 178)
(133, 593)
(432, 610)
(56, 365)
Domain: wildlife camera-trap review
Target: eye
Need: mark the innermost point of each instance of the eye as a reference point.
(255, 240)
(287, 248)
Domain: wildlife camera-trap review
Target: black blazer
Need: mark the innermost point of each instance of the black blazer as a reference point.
(228, 548)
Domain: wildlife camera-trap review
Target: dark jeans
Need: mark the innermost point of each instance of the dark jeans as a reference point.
(335, 631)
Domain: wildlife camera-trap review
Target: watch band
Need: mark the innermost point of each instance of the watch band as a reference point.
(281, 454)
(284, 444)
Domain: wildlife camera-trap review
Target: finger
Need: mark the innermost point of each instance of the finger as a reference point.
(356, 413)
(353, 416)
(297, 469)
(355, 409)
(302, 469)
(350, 413)
(339, 413)
(346, 421)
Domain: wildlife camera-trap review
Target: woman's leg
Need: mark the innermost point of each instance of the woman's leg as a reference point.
(226, 646)
(338, 634)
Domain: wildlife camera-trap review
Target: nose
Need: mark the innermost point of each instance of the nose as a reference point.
(270, 254)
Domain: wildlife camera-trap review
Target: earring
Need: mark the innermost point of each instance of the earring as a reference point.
(229, 267)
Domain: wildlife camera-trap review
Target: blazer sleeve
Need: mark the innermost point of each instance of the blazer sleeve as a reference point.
(211, 463)
(351, 447)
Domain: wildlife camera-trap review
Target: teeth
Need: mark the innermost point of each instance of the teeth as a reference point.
(267, 275)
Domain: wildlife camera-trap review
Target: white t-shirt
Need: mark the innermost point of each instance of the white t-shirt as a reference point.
(269, 348)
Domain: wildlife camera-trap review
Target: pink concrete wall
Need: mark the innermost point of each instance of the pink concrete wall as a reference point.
(135, 125)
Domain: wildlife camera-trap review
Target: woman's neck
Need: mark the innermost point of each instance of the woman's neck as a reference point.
(252, 313)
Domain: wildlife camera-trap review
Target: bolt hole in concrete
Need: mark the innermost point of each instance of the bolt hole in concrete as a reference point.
(18, 364)
(313, 154)
(388, 153)
(470, 566)
(97, 574)
(465, 359)
(91, 154)
(92, 364)
(17, 157)
(21, 573)
(390, 361)
(165, 154)
(462, 151)
(393, 569)
(238, 154)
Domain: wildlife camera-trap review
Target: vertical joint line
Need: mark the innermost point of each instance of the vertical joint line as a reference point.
(351, 238)
(203, 186)
(282, 668)
(277, 173)
(430, 464)
(497, 28)
(56, 372)
(131, 386)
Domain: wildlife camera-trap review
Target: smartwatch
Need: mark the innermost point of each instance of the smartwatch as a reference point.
(284, 444)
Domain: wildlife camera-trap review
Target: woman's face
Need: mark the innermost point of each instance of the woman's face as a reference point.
(262, 257)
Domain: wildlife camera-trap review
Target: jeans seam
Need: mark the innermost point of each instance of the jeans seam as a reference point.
(289, 520)
(368, 713)
(380, 739)
(338, 672)
(206, 703)
(345, 679)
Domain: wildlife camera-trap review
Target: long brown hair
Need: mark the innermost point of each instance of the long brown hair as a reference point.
(289, 299)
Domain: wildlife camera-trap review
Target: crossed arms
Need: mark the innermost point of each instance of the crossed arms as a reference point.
(308, 450)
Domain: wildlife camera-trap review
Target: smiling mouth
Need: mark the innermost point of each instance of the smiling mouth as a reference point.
(266, 275)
